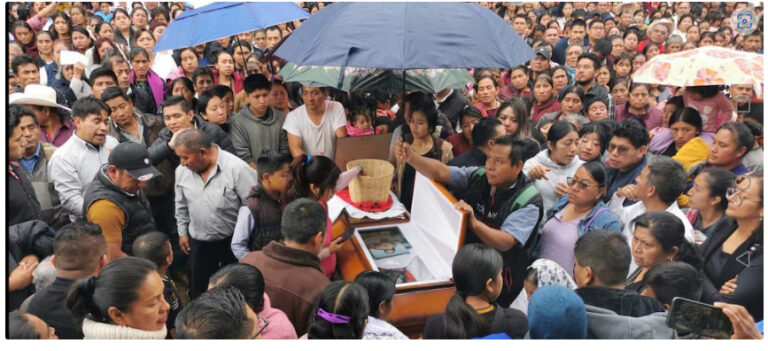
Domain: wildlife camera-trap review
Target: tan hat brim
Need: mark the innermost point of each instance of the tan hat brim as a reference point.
(27, 100)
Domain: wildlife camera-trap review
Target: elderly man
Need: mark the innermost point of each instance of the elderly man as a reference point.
(75, 164)
(658, 32)
(211, 186)
(35, 161)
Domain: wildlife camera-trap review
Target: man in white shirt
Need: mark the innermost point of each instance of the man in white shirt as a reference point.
(74, 165)
(657, 189)
(312, 128)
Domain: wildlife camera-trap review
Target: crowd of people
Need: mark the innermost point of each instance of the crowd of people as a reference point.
(184, 193)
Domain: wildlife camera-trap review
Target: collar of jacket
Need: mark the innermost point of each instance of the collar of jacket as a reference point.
(297, 257)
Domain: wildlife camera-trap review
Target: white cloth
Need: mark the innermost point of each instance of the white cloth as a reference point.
(336, 204)
(377, 329)
(164, 65)
(97, 330)
(547, 273)
(317, 139)
(628, 214)
(72, 168)
(557, 174)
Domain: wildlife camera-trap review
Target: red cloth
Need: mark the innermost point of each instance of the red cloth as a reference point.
(368, 206)
(538, 110)
(460, 144)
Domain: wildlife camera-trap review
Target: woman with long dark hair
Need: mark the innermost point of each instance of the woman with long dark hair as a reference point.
(580, 210)
(551, 167)
(318, 178)
(687, 146)
(733, 255)
(25, 36)
(184, 87)
(125, 301)
(124, 33)
(422, 124)
(472, 311)
(658, 237)
(707, 199)
(81, 40)
(62, 27)
(146, 79)
(342, 312)
(381, 290)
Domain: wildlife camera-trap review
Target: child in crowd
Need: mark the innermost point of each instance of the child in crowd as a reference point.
(472, 311)
(318, 178)
(381, 290)
(258, 222)
(713, 106)
(360, 122)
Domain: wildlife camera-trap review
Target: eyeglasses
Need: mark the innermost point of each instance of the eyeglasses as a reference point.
(581, 184)
(622, 149)
(266, 323)
(736, 193)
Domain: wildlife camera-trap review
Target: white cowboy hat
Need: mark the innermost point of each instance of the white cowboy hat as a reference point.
(38, 95)
(665, 22)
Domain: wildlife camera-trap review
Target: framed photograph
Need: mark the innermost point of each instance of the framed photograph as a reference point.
(385, 242)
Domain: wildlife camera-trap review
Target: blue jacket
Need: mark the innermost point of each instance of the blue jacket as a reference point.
(618, 179)
(558, 52)
(601, 217)
(51, 70)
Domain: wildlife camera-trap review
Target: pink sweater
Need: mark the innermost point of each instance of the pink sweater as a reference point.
(328, 259)
(714, 111)
(354, 131)
(280, 326)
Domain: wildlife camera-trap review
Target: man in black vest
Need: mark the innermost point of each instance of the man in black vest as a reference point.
(505, 208)
(114, 200)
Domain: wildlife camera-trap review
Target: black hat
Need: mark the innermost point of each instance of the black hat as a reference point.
(133, 158)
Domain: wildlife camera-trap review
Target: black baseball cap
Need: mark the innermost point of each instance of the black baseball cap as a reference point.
(133, 158)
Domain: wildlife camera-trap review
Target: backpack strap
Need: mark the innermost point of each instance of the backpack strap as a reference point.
(529, 193)
(480, 172)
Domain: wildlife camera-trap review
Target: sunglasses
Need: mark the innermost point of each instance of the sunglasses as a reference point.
(581, 184)
(622, 149)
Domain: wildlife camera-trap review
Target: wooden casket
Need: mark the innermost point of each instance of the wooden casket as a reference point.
(433, 232)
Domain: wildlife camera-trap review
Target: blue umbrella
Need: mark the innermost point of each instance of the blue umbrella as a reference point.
(224, 19)
(405, 36)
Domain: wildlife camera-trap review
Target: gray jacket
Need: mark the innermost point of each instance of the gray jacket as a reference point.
(606, 324)
(252, 135)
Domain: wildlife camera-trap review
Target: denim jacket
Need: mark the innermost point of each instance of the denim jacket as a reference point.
(601, 217)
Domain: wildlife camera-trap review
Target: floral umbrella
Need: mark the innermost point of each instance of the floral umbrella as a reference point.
(365, 79)
(709, 65)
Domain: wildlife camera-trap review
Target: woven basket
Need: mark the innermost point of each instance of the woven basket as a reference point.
(374, 184)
